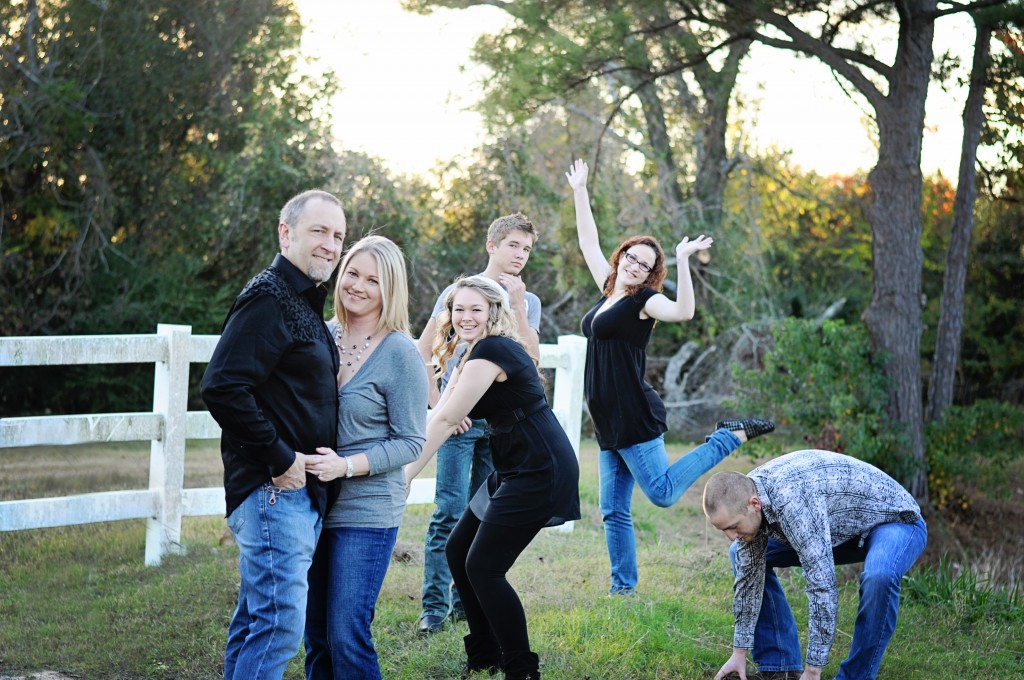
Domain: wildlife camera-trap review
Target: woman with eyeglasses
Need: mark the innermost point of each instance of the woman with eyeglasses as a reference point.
(628, 415)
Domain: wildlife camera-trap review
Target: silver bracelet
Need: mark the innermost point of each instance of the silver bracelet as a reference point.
(349, 468)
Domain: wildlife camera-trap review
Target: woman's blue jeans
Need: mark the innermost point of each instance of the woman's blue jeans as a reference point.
(889, 552)
(646, 465)
(276, 532)
(463, 463)
(344, 583)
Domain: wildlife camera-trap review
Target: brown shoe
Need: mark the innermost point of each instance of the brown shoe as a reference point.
(775, 675)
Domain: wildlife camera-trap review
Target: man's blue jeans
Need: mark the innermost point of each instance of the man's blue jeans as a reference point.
(646, 465)
(463, 463)
(276, 532)
(344, 583)
(888, 553)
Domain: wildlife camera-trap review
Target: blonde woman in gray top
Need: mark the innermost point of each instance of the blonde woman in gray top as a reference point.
(381, 426)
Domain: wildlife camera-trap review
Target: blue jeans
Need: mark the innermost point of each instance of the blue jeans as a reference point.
(888, 553)
(646, 465)
(344, 583)
(463, 463)
(276, 532)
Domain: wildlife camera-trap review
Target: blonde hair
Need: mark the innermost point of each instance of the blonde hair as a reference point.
(394, 284)
(506, 224)
(728, 492)
(500, 321)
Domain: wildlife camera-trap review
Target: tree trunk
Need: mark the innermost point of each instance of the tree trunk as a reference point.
(951, 314)
(712, 155)
(894, 316)
(664, 160)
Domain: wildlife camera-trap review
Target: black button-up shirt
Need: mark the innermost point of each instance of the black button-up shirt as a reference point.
(271, 384)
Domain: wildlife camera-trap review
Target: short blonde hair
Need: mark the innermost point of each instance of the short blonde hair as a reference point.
(728, 492)
(500, 320)
(394, 283)
(505, 225)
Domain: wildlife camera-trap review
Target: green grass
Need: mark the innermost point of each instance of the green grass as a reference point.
(79, 600)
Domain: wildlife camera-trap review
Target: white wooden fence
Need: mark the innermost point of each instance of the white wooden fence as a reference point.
(165, 502)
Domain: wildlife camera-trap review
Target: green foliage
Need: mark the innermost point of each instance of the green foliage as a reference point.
(145, 150)
(970, 448)
(821, 383)
(959, 589)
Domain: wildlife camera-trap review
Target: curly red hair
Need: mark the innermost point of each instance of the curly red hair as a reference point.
(655, 279)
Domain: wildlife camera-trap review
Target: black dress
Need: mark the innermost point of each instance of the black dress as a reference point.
(624, 407)
(535, 482)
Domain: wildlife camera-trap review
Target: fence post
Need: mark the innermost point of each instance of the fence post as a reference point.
(167, 454)
(568, 395)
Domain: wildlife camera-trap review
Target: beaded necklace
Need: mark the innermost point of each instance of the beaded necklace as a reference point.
(355, 351)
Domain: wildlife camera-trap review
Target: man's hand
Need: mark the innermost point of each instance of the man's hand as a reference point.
(408, 480)
(737, 664)
(811, 673)
(516, 290)
(295, 476)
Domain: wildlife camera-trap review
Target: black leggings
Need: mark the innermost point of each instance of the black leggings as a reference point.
(479, 556)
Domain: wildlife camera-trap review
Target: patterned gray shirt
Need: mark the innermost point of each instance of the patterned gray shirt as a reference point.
(813, 500)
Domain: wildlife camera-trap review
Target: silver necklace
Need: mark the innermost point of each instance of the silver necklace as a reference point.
(355, 351)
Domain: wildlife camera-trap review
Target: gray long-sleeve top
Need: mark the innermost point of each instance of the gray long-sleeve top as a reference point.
(813, 500)
(382, 413)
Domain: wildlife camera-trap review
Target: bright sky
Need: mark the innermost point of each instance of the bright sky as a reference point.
(407, 87)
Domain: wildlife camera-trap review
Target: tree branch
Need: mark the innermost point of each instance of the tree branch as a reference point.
(959, 7)
(803, 42)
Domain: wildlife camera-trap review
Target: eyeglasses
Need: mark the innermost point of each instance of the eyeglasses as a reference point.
(632, 259)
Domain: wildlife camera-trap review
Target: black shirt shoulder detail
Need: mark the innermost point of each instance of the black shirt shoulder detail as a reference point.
(300, 318)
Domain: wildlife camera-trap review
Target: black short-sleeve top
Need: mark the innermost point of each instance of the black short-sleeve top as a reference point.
(523, 386)
(624, 407)
(535, 482)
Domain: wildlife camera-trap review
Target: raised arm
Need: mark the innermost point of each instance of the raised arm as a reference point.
(682, 308)
(425, 347)
(517, 301)
(586, 228)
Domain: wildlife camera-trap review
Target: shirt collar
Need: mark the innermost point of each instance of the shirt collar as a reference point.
(298, 280)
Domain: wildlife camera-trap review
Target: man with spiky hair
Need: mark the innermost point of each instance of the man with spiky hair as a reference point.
(813, 509)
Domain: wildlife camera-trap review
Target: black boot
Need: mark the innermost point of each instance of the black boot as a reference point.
(522, 666)
(482, 654)
(752, 427)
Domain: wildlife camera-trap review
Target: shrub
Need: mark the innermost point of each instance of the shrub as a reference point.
(822, 383)
(971, 446)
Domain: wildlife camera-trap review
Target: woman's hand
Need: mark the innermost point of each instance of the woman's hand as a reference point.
(577, 174)
(326, 466)
(686, 247)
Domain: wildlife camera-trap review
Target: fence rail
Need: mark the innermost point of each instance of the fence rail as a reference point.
(172, 349)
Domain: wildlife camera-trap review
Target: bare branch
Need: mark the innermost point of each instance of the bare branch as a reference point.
(803, 42)
(959, 7)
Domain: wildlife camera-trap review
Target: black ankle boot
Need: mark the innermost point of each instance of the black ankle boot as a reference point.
(522, 666)
(482, 654)
(752, 427)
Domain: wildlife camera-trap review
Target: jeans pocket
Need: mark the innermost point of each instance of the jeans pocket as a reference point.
(236, 520)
